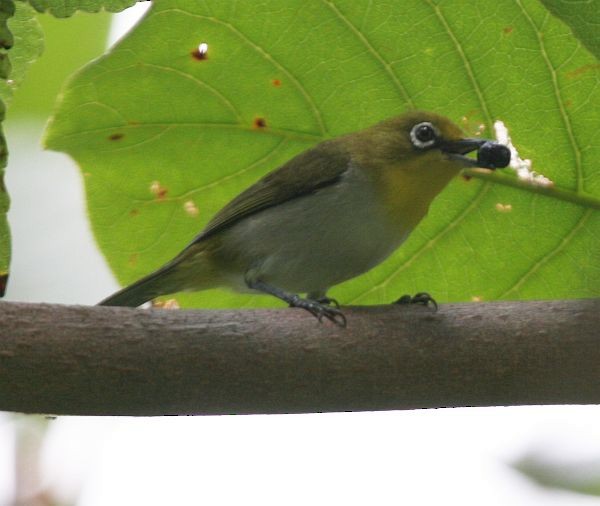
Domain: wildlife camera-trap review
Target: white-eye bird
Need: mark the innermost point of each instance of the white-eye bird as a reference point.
(327, 215)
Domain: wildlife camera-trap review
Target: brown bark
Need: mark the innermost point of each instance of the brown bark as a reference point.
(121, 361)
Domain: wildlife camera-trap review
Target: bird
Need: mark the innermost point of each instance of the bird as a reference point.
(327, 215)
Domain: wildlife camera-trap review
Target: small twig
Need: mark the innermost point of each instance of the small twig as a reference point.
(583, 199)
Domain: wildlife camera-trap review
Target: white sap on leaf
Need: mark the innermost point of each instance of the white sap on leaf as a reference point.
(521, 166)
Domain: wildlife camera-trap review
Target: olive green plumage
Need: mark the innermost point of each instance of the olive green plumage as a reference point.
(327, 215)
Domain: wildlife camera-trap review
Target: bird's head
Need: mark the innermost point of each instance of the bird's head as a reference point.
(419, 140)
(412, 157)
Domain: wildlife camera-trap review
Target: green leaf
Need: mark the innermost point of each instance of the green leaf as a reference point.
(582, 17)
(7, 11)
(165, 136)
(21, 44)
(28, 45)
(582, 477)
(66, 8)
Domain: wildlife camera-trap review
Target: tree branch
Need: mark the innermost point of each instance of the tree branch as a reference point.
(120, 361)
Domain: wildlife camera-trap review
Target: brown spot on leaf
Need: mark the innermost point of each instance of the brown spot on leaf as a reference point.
(134, 212)
(508, 30)
(198, 55)
(133, 258)
(568, 102)
(116, 137)
(260, 122)
(3, 281)
(276, 83)
(159, 191)
(467, 178)
(582, 70)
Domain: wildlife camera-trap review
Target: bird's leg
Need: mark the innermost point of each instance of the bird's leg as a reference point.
(314, 307)
(420, 298)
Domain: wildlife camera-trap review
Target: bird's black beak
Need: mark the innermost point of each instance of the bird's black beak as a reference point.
(490, 154)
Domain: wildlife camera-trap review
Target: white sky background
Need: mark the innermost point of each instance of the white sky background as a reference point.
(444, 456)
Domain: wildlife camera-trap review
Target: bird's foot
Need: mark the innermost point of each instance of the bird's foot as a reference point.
(420, 298)
(320, 309)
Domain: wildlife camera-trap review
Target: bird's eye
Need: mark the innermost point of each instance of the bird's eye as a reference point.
(423, 135)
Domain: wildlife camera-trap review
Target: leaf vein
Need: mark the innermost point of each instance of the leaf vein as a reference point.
(201, 83)
(465, 60)
(556, 88)
(549, 255)
(386, 65)
(282, 132)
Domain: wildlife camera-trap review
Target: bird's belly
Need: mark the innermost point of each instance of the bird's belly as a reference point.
(312, 242)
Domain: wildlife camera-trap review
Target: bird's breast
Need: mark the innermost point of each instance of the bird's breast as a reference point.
(405, 198)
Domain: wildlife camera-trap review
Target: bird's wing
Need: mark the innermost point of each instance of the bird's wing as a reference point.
(304, 174)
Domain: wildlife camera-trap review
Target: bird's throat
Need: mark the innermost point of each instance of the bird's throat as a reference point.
(407, 195)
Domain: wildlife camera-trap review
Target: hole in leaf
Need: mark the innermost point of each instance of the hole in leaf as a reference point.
(201, 52)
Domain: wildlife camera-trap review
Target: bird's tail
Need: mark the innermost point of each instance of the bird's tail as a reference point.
(160, 282)
(192, 269)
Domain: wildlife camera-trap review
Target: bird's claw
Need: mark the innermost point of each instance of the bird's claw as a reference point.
(320, 310)
(420, 298)
(333, 314)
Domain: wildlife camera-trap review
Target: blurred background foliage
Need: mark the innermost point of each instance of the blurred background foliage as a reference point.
(554, 472)
(46, 51)
(67, 44)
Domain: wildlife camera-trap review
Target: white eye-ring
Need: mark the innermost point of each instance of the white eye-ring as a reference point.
(424, 135)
